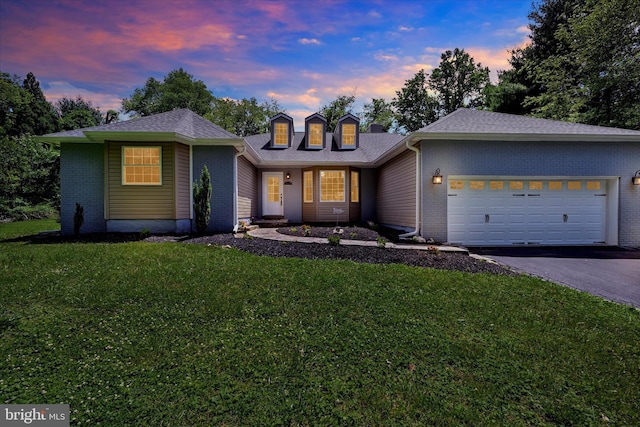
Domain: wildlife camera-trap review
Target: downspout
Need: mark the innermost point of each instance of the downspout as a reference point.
(236, 194)
(416, 232)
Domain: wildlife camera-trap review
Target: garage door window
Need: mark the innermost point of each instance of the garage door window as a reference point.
(496, 185)
(593, 185)
(555, 185)
(476, 185)
(535, 185)
(515, 185)
(574, 185)
(456, 185)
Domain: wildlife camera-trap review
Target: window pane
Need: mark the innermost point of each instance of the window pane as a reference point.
(476, 185)
(355, 187)
(308, 186)
(574, 185)
(535, 185)
(496, 185)
(332, 186)
(555, 185)
(348, 134)
(593, 185)
(282, 134)
(141, 165)
(273, 189)
(456, 185)
(315, 134)
(515, 185)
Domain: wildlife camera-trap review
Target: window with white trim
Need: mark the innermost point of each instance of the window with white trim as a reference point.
(142, 165)
(315, 134)
(332, 186)
(348, 135)
(281, 134)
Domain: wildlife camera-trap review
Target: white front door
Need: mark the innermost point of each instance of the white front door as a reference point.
(272, 203)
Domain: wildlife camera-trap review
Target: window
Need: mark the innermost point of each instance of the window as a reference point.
(282, 134)
(308, 187)
(141, 165)
(456, 185)
(348, 135)
(574, 185)
(535, 185)
(332, 186)
(555, 185)
(355, 187)
(476, 185)
(496, 185)
(315, 134)
(593, 185)
(516, 185)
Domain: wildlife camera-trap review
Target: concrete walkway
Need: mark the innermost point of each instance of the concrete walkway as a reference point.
(272, 234)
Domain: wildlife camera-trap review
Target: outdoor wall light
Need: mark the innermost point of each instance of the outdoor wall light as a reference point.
(287, 175)
(636, 178)
(437, 178)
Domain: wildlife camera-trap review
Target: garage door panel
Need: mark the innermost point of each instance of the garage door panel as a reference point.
(528, 211)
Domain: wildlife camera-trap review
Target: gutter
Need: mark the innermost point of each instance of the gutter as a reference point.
(235, 182)
(416, 232)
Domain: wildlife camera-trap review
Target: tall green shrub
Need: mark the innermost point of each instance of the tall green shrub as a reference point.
(202, 200)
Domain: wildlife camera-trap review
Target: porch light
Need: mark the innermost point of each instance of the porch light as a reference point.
(636, 178)
(287, 175)
(437, 178)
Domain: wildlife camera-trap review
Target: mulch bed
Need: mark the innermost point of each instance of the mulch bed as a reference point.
(273, 248)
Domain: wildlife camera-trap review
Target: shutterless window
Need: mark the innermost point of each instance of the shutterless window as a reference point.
(282, 134)
(332, 186)
(308, 187)
(315, 134)
(348, 134)
(141, 165)
(355, 186)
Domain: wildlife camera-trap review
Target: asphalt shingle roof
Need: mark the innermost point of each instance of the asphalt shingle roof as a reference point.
(371, 147)
(183, 122)
(469, 121)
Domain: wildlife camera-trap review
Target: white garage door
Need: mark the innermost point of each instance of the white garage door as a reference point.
(526, 211)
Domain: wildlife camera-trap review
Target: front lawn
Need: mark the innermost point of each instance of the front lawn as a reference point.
(174, 334)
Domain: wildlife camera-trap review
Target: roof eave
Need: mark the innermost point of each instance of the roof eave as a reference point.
(524, 137)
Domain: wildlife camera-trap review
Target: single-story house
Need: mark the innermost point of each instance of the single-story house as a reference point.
(471, 178)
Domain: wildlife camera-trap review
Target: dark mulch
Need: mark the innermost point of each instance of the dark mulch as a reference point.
(363, 254)
(348, 232)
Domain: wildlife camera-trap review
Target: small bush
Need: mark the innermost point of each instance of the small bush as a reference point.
(306, 230)
(144, 233)
(334, 240)
(382, 242)
(353, 235)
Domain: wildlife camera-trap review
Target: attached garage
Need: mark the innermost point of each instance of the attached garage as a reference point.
(514, 180)
(490, 211)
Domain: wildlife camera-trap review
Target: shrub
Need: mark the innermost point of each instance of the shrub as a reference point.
(144, 233)
(202, 201)
(382, 242)
(353, 235)
(334, 240)
(306, 230)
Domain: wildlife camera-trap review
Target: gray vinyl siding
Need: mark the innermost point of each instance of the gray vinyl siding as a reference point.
(182, 182)
(140, 201)
(220, 161)
(247, 189)
(396, 194)
(82, 181)
(539, 159)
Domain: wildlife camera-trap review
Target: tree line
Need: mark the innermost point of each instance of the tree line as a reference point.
(582, 65)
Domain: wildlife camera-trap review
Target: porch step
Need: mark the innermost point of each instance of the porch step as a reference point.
(271, 223)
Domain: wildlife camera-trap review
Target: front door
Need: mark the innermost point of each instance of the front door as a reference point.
(272, 203)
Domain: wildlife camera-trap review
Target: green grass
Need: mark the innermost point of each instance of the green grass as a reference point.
(171, 334)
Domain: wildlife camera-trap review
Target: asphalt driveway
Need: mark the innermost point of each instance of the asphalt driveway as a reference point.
(609, 272)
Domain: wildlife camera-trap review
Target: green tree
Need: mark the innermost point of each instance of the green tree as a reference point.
(77, 113)
(583, 63)
(415, 106)
(337, 108)
(202, 201)
(458, 81)
(244, 117)
(177, 90)
(378, 111)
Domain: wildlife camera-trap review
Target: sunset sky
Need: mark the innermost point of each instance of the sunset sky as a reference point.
(301, 53)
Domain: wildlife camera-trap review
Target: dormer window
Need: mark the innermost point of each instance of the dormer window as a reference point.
(348, 135)
(315, 134)
(281, 135)
(315, 128)
(281, 131)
